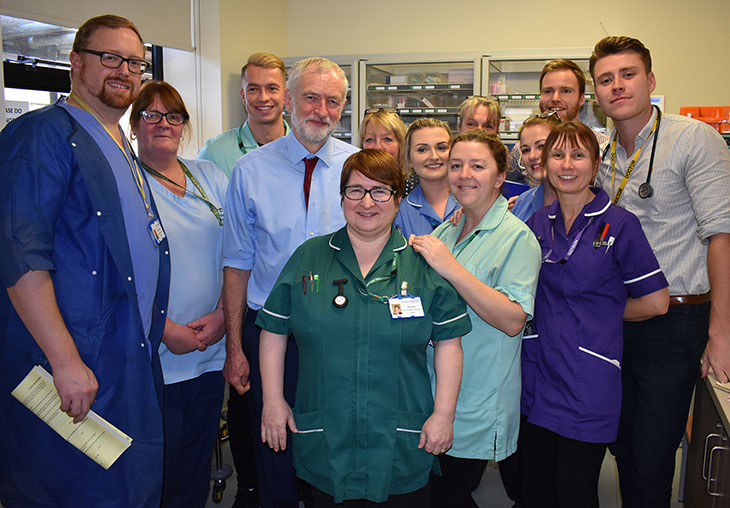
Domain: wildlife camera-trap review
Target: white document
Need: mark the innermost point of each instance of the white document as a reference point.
(94, 436)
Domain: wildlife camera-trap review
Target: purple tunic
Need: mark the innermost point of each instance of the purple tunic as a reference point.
(572, 369)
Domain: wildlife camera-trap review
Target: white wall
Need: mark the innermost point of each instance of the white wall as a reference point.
(687, 39)
(246, 27)
(196, 75)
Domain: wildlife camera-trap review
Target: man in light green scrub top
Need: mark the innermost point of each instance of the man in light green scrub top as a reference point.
(263, 81)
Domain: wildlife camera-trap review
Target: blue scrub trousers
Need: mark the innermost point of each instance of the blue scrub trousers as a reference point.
(277, 480)
(191, 416)
(660, 366)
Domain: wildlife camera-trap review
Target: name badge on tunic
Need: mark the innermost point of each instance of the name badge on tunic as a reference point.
(402, 307)
(156, 231)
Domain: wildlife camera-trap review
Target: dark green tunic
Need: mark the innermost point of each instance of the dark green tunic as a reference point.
(363, 392)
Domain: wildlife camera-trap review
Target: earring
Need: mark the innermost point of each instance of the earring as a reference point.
(133, 136)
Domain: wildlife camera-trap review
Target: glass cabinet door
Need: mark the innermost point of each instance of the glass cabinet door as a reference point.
(416, 90)
(516, 83)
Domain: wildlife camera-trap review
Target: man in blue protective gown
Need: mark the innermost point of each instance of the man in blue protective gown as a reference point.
(85, 265)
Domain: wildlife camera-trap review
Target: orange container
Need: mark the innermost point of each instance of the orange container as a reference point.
(718, 117)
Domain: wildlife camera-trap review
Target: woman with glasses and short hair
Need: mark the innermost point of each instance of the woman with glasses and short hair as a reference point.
(363, 306)
(597, 271)
(492, 259)
(189, 195)
(427, 155)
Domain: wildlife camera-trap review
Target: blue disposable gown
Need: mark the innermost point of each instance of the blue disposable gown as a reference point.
(60, 211)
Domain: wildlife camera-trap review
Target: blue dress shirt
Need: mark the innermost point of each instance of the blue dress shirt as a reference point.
(266, 219)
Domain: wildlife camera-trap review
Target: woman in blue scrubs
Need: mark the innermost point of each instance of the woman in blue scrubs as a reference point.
(597, 271)
(363, 306)
(189, 195)
(427, 155)
(492, 259)
(533, 134)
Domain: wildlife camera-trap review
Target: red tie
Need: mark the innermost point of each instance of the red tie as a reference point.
(308, 170)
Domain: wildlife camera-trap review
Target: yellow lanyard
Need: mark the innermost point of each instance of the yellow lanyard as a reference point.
(134, 168)
(632, 164)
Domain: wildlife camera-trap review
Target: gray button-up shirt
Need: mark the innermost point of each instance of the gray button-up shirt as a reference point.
(691, 201)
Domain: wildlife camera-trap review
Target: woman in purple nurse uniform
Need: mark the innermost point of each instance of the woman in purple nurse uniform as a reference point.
(597, 271)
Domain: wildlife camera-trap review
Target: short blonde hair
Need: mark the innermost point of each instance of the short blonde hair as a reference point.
(422, 123)
(390, 121)
(469, 104)
(265, 60)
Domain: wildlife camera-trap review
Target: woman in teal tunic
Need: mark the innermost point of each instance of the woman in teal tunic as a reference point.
(492, 259)
(363, 307)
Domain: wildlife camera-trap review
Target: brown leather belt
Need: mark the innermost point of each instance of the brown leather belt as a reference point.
(689, 299)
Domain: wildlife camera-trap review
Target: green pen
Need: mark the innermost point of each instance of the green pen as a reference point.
(316, 280)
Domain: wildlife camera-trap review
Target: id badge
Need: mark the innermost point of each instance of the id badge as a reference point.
(402, 307)
(156, 231)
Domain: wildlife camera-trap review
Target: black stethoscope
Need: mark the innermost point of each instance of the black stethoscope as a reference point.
(645, 189)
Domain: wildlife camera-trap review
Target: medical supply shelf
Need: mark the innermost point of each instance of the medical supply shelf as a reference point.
(434, 84)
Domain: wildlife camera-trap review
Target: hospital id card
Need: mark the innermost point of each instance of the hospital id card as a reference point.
(156, 231)
(402, 307)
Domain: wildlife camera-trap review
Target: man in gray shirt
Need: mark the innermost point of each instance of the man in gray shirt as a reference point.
(674, 174)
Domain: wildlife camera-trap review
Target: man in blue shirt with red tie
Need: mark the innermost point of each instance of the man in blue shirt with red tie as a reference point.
(280, 195)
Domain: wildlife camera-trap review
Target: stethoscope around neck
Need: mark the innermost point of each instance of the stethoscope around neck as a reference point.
(645, 189)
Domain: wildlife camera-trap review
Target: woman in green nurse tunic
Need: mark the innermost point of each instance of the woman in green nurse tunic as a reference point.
(363, 306)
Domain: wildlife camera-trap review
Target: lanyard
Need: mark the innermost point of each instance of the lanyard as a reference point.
(202, 196)
(632, 164)
(393, 273)
(240, 140)
(573, 246)
(134, 168)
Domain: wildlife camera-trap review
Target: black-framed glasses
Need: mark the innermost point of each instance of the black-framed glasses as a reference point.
(114, 61)
(156, 117)
(377, 194)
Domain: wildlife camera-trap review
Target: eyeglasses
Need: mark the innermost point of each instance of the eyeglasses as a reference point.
(377, 194)
(156, 117)
(371, 111)
(554, 115)
(114, 61)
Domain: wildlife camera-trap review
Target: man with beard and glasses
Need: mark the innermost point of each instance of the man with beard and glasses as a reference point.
(86, 266)
(279, 196)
